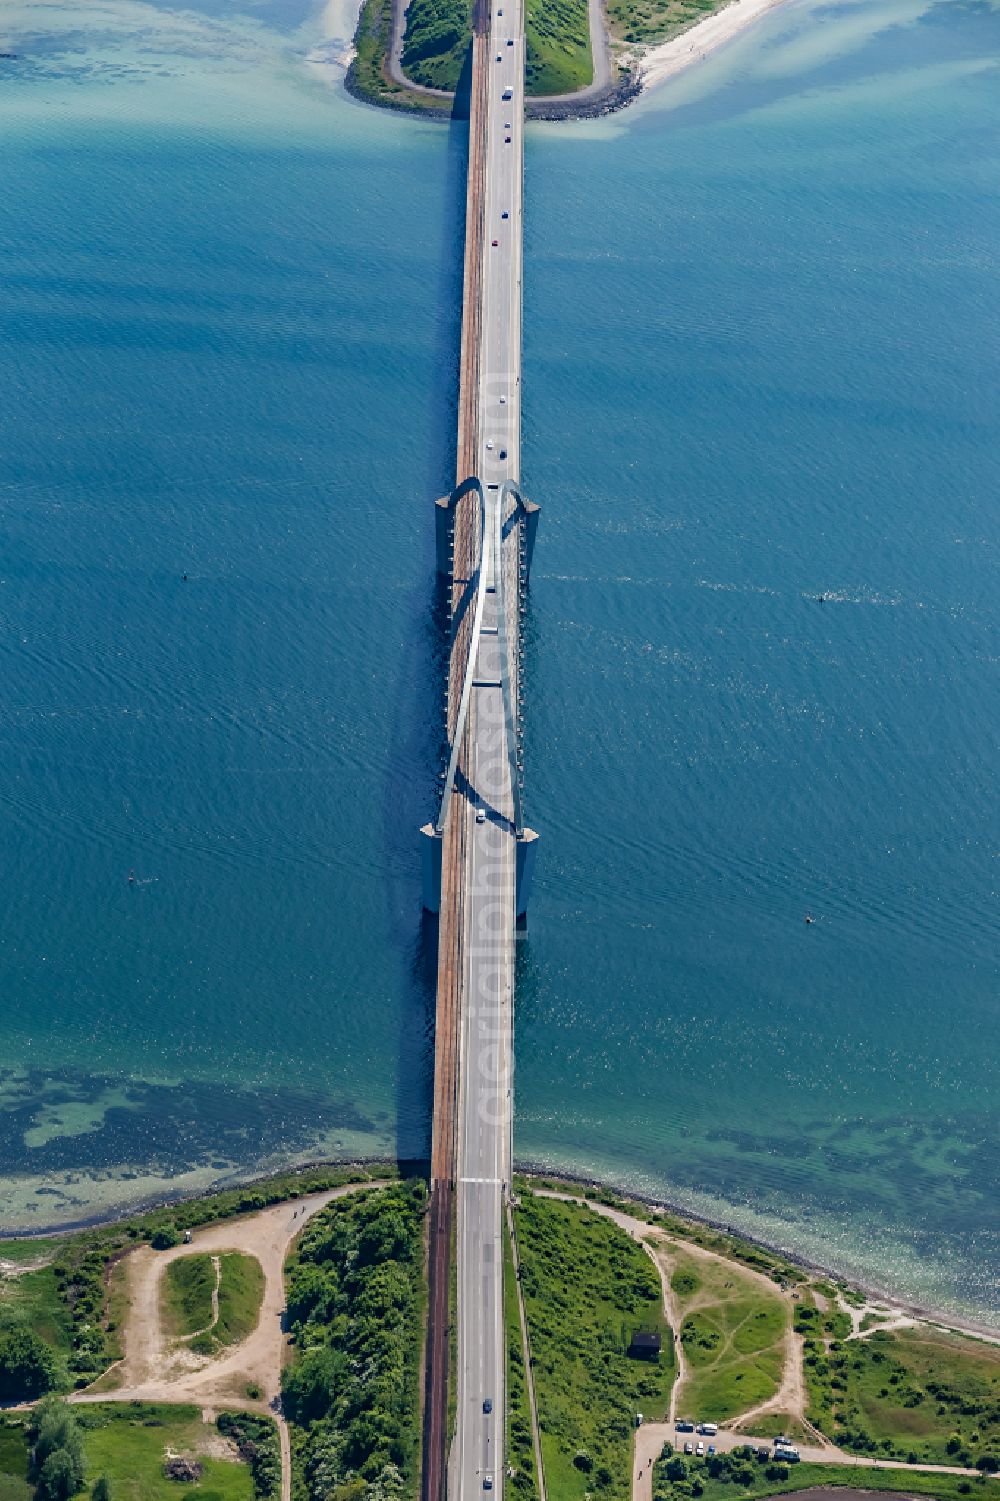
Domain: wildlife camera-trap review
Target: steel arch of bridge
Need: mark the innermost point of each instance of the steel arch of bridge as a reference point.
(487, 542)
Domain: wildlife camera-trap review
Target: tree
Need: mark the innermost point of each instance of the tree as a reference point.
(54, 1428)
(61, 1475)
(308, 1389)
(27, 1366)
(101, 1489)
(165, 1237)
(677, 1469)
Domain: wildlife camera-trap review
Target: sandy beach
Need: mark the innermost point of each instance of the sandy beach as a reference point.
(666, 59)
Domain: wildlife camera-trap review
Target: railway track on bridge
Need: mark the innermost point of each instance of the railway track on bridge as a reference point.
(477, 854)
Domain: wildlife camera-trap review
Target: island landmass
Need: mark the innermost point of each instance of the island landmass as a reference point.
(583, 57)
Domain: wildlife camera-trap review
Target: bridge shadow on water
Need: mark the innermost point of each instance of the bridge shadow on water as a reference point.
(415, 694)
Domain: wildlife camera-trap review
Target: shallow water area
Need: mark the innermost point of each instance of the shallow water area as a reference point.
(761, 342)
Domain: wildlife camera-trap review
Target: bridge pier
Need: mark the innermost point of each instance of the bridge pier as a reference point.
(527, 853)
(443, 534)
(444, 528)
(530, 512)
(431, 848)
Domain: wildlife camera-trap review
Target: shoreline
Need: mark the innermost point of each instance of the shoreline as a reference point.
(663, 60)
(936, 1316)
(940, 1318)
(633, 69)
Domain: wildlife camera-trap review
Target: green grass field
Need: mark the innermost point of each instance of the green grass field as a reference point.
(916, 1394)
(13, 1463)
(241, 1291)
(34, 1300)
(520, 1448)
(367, 77)
(648, 21)
(189, 1286)
(733, 1332)
(770, 1424)
(558, 59)
(130, 1445)
(587, 1288)
(436, 41)
(436, 44)
(186, 1297)
(781, 1271)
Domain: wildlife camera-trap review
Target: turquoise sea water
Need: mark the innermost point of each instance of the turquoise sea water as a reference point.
(761, 363)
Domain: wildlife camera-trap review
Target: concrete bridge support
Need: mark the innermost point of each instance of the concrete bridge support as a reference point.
(529, 520)
(527, 851)
(443, 534)
(431, 847)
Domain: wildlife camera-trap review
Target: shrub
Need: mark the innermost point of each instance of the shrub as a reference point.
(60, 1476)
(27, 1366)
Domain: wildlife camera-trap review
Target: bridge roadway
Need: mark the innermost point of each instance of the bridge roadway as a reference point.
(473, 843)
(487, 1012)
(485, 1016)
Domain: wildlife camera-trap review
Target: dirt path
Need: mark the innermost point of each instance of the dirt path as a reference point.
(217, 1271)
(156, 1368)
(791, 1398)
(153, 1362)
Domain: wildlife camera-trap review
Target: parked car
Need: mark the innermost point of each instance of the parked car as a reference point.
(683, 1426)
(787, 1453)
(700, 1449)
(689, 1447)
(711, 1448)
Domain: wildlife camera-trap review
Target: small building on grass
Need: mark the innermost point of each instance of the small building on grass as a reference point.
(645, 1345)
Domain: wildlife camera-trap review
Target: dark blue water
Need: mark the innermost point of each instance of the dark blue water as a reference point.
(761, 338)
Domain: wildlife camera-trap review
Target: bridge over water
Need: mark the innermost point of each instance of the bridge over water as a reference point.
(477, 852)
